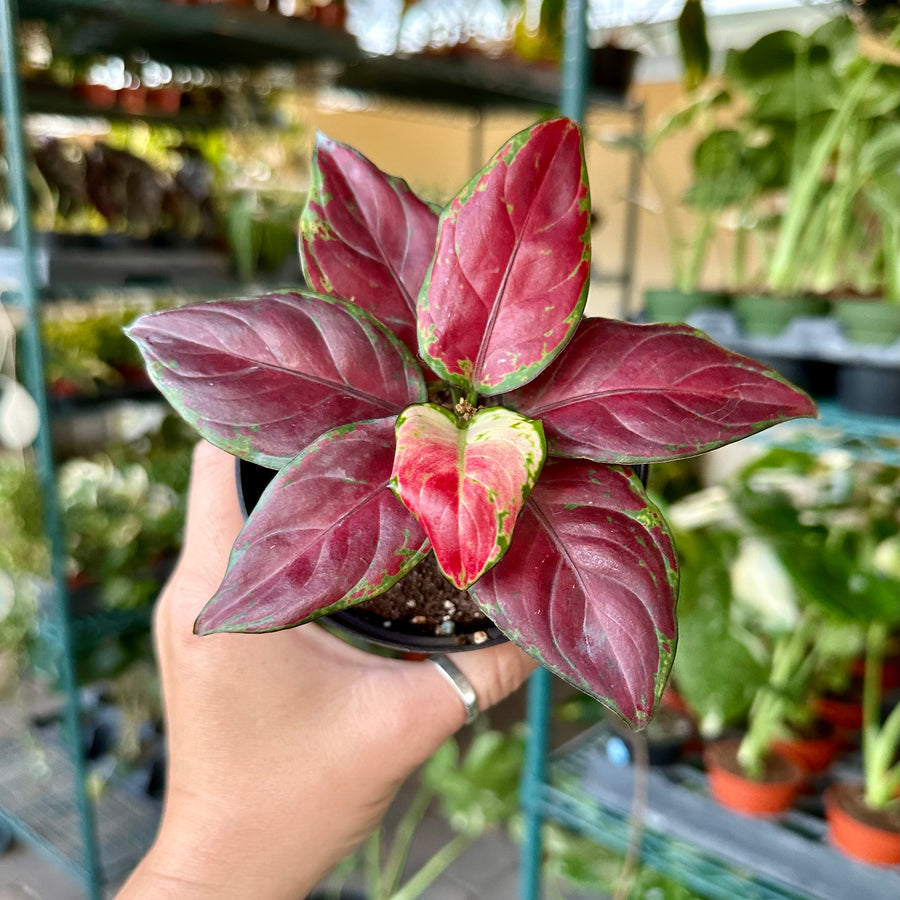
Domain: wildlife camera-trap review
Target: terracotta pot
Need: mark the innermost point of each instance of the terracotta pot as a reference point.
(96, 94)
(133, 99)
(845, 713)
(870, 835)
(165, 100)
(773, 793)
(814, 752)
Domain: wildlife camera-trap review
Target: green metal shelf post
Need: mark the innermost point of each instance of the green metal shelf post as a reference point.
(89, 869)
(572, 104)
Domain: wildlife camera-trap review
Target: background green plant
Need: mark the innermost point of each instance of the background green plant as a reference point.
(784, 566)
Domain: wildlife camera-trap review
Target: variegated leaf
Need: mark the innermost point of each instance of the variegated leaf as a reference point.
(624, 393)
(366, 237)
(327, 533)
(589, 586)
(263, 377)
(509, 279)
(466, 481)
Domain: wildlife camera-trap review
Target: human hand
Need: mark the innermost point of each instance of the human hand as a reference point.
(284, 749)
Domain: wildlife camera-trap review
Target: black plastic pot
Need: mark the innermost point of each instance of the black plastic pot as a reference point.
(612, 68)
(815, 376)
(871, 390)
(356, 623)
(665, 737)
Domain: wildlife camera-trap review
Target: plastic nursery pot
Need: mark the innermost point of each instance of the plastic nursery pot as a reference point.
(868, 321)
(869, 389)
(667, 736)
(371, 623)
(844, 713)
(612, 68)
(672, 305)
(771, 794)
(763, 315)
(814, 752)
(869, 835)
(96, 94)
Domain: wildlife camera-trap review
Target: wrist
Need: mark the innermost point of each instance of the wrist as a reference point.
(189, 861)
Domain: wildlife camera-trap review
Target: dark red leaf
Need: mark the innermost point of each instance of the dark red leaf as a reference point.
(626, 393)
(327, 533)
(589, 584)
(263, 377)
(366, 237)
(509, 278)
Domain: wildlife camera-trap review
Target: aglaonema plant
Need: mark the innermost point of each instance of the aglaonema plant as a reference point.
(438, 389)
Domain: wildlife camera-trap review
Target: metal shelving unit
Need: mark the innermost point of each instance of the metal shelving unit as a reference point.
(690, 836)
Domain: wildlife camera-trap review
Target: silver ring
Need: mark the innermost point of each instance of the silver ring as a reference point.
(460, 683)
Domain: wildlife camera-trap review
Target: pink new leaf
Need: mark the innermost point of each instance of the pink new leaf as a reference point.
(366, 237)
(263, 377)
(509, 279)
(589, 586)
(624, 393)
(326, 534)
(466, 482)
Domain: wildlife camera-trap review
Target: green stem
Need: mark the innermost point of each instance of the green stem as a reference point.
(803, 187)
(739, 268)
(702, 235)
(771, 703)
(673, 230)
(372, 861)
(879, 742)
(825, 257)
(433, 868)
(406, 830)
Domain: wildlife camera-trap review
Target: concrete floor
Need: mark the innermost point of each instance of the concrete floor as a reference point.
(488, 868)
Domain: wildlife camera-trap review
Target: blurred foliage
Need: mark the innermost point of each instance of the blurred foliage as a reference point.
(791, 544)
(122, 514)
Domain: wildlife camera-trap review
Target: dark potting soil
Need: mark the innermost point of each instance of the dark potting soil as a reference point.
(425, 602)
(778, 770)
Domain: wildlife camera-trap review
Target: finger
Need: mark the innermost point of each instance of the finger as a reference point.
(495, 672)
(213, 514)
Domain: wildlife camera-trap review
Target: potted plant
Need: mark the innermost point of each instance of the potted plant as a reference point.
(753, 775)
(713, 188)
(442, 390)
(777, 568)
(746, 660)
(864, 817)
(797, 159)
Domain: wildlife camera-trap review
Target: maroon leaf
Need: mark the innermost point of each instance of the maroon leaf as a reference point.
(627, 393)
(327, 533)
(509, 278)
(263, 377)
(466, 482)
(366, 237)
(588, 587)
